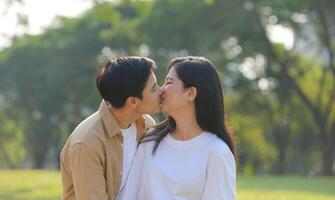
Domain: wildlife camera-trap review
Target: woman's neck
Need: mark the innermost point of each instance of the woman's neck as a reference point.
(186, 126)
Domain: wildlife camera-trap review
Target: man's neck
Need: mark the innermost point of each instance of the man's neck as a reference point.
(123, 117)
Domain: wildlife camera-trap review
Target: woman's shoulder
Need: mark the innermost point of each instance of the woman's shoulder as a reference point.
(218, 147)
(146, 144)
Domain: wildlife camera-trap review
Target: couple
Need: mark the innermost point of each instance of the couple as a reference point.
(120, 153)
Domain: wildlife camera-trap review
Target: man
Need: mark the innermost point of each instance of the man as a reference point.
(97, 157)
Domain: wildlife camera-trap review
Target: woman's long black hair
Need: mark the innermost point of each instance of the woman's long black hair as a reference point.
(200, 73)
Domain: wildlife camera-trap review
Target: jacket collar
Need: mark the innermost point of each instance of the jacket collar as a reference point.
(111, 124)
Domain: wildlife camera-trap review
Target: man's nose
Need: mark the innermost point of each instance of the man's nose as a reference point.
(161, 90)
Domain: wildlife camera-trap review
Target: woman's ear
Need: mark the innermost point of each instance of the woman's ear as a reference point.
(192, 93)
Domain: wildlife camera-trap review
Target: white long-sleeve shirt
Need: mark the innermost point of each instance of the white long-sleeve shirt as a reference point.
(202, 168)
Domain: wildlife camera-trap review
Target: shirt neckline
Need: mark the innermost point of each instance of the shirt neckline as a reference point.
(185, 143)
(128, 131)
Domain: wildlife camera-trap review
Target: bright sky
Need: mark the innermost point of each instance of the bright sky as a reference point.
(281, 34)
(42, 12)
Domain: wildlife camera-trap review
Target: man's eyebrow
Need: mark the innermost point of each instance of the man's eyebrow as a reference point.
(154, 86)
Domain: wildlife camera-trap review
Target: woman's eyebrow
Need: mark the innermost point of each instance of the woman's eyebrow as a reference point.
(169, 79)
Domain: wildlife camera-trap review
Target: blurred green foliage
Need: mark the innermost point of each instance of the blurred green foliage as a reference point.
(279, 100)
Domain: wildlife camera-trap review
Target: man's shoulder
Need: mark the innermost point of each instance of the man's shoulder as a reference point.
(88, 130)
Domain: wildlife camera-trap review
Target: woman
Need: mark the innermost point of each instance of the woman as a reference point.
(191, 155)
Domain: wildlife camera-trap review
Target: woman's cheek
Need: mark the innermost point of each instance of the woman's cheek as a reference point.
(170, 88)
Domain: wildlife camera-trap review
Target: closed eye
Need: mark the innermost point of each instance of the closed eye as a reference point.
(154, 88)
(168, 80)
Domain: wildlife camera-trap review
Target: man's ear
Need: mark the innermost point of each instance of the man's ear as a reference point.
(131, 102)
(192, 93)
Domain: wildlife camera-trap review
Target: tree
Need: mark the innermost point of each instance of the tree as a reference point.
(11, 143)
(243, 26)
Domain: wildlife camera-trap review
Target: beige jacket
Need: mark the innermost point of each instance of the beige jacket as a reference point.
(91, 160)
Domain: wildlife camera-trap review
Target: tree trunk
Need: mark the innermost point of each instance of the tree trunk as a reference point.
(40, 150)
(327, 149)
(280, 135)
(327, 160)
(39, 158)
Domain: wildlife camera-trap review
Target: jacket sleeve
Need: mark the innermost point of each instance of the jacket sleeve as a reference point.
(87, 173)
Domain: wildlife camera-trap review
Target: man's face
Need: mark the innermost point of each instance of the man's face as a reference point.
(150, 103)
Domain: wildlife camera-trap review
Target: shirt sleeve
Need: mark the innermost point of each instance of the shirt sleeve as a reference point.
(221, 176)
(87, 173)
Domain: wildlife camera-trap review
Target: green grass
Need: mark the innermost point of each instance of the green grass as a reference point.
(285, 188)
(29, 185)
(46, 185)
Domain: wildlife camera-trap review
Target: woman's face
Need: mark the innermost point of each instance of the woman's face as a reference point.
(173, 93)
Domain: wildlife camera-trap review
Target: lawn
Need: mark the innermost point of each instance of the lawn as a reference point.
(285, 188)
(29, 185)
(45, 185)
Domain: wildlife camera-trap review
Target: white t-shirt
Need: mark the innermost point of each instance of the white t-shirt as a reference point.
(202, 168)
(129, 150)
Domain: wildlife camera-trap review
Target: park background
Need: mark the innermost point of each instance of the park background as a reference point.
(276, 58)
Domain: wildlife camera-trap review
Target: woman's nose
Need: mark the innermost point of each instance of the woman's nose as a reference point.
(161, 90)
